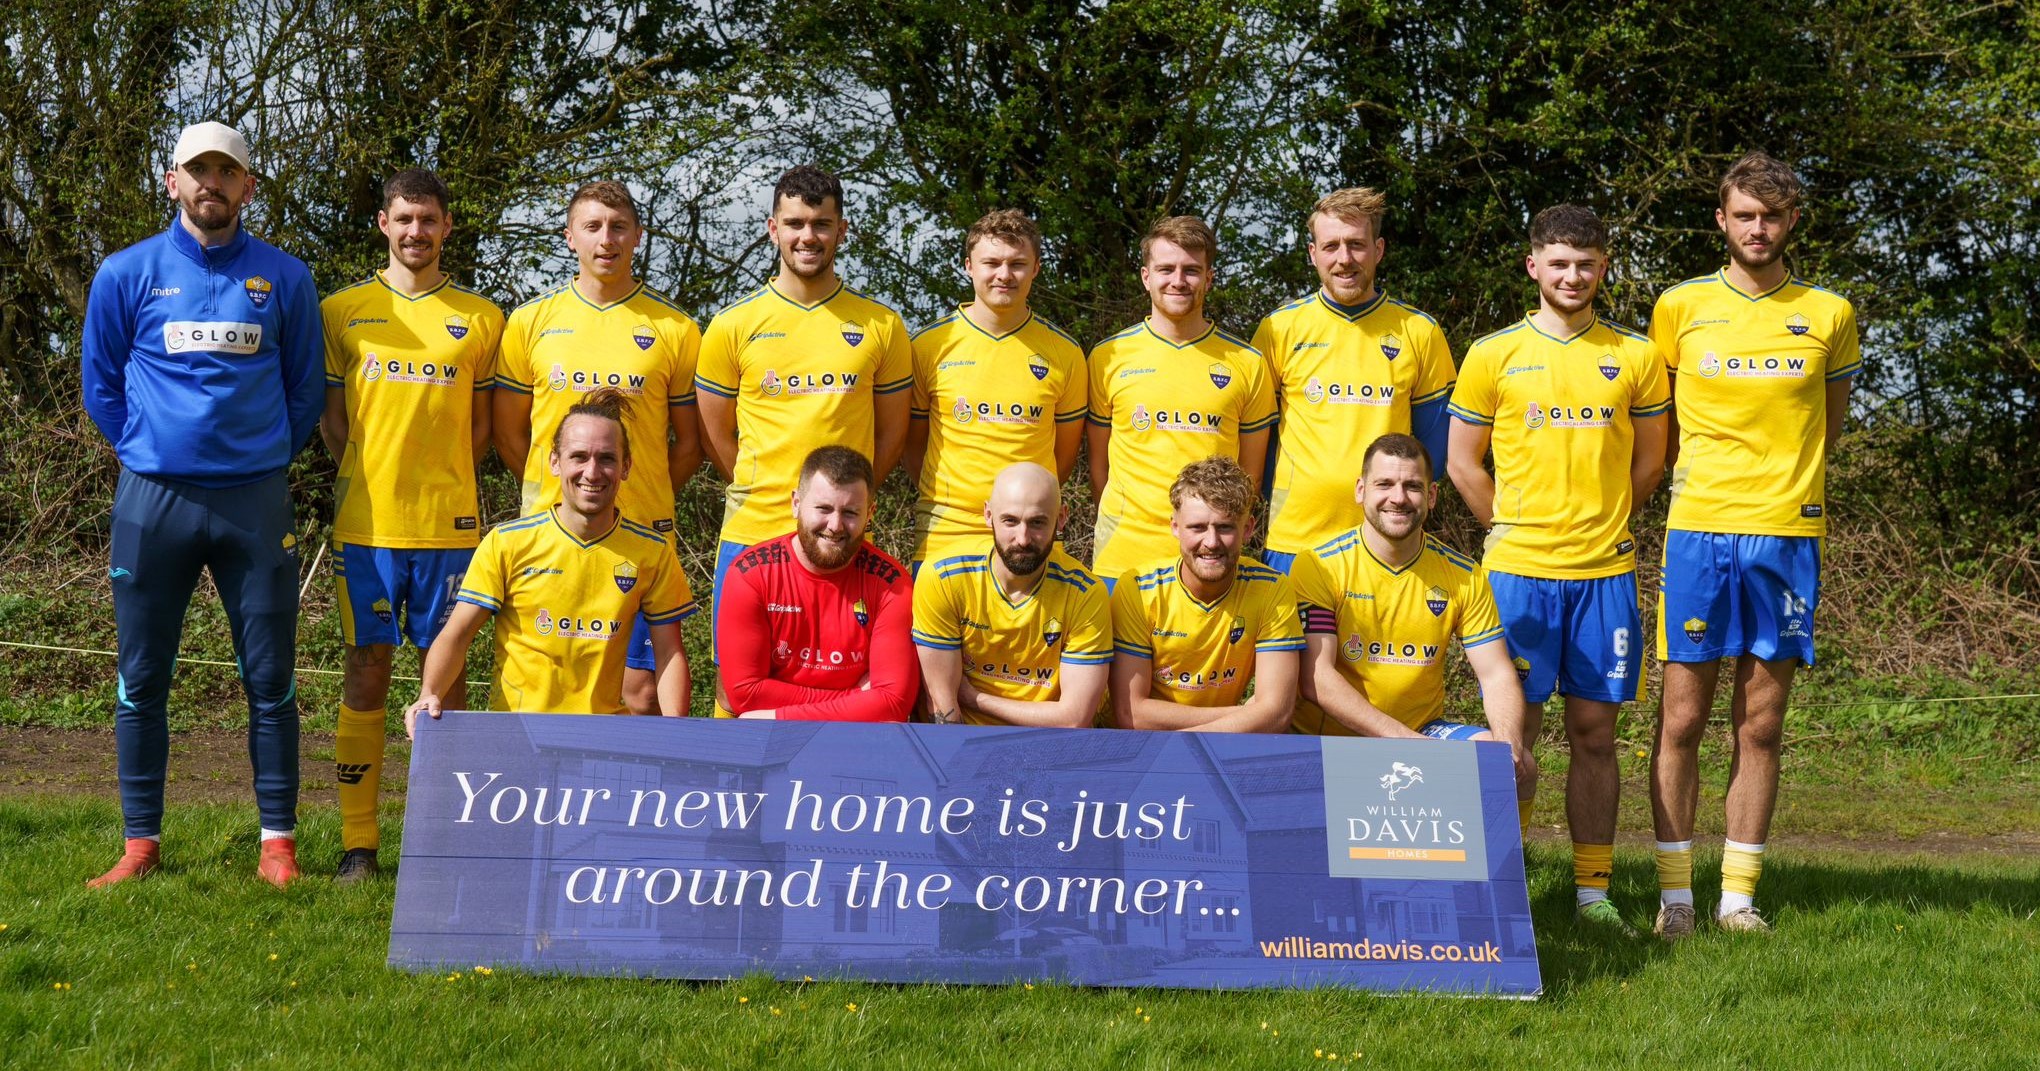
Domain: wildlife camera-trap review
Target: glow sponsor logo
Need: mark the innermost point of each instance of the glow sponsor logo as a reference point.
(583, 380)
(397, 370)
(1195, 680)
(1182, 420)
(1020, 413)
(1318, 392)
(773, 385)
(1031, 676)
(1533, 417)
(1355, 648)
(821, 657)
(211, 336)
(571, 627)
(1580, 416)
(1765, 367)
(1710, 365)
(1393, 653)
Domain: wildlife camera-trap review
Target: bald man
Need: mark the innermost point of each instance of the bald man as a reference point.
(1017, 634)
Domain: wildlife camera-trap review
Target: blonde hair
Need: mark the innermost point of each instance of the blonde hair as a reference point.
(1219, 482)
(1188, 233)
(1009, 225)
(607, 403)
(1354, 204)
(1764, 177)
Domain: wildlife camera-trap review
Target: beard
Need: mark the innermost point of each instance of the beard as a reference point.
(1392, 524)
(210, 214)
(822, 267)
(1022, 559)
(1752, 261)
(825, 555)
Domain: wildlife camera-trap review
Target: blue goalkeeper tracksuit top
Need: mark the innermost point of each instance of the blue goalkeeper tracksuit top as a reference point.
(201, 365)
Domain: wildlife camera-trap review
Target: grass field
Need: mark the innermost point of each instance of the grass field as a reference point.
(1882, 959)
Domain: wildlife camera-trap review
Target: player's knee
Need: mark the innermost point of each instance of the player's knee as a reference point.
(1681, 732)
(371, 657)
(1765, 733)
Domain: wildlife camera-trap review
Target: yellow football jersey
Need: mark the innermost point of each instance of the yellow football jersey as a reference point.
(1563, 412)
(990, 401)
(1750, 386)
(803, 377)
(1344, 377)
(1013, 649)
(564, 608)
(1167, 406)
(560, 346)
(1203, 653)
(410, 368)
(1393, 625)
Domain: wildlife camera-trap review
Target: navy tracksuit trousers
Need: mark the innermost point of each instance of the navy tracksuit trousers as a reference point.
(164, 532)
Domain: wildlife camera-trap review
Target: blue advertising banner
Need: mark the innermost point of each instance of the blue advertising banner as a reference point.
(708, 849)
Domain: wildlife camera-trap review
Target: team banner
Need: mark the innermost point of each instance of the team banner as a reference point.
(708, 849)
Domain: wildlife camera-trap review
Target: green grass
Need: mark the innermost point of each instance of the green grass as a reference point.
(1876, 963)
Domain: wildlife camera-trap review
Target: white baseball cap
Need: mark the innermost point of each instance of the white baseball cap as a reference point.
(201, 138)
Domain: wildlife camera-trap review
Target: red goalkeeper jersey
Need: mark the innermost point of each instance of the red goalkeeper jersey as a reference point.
(817, 646)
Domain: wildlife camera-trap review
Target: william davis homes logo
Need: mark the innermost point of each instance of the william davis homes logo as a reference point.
(1404, 809)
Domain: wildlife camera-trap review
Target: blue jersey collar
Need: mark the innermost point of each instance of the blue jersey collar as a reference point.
(184, 243)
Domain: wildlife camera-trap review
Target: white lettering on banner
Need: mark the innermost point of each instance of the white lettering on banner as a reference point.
(211, 336)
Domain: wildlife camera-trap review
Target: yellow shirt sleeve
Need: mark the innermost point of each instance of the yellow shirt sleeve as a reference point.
(670, 597)
(896, 364)
(716, 370)
(1101, 397)
(1271, 354)
(686, 339)
(1474, 396)
(1075, 401)
(1313, 586)
(336, 369)
(484, 583)
(1664, 331)
(491, 330)
(1090, 639)
(1259, 414)
(1653, 387)
(1479, 623)
(513, 358)
(1846, 358)
(1132, 631)
(936, 621)
(1281, 627)
(1435, 371)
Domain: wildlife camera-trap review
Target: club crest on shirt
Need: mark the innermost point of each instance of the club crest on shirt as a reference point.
(1354, 648)
(457, 326)
(769, 384)
(1609, 369)
(371, 367)
(962, 410)
(382, 610)
(1141, 420)
(643, 336)
(1434, 601)
(543, 622)
(1313, 391)
(1391, 346)
(862, 615)
(1710, 365)
(1533, 417)
(853, 332)
(1239, 628)
(1037, 366)
(1695, 629)
(1221, 376)
(258, 290)
(1796, 324)
(625, 575)
(1053, 634)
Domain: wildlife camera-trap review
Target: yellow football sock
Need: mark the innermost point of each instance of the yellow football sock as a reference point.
(1675, 871)
(1592, 865)
(1741, 865)
(357, 767)
(1523, 809)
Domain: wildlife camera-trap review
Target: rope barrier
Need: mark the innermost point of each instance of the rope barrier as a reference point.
(1895, 701)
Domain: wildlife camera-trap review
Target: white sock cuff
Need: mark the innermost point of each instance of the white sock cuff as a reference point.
(278, 834)
(1676, 896)
(1675, 845)
(1736, 845)
(157, 837)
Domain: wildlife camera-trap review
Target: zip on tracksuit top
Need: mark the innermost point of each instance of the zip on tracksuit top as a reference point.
(204, 365)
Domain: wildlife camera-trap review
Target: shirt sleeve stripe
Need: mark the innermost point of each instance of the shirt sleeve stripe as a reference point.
(1265, 422)
(1278, 645)
(475, 598)
(1103, 422)
(1133, 649)
(895, 386)
(1086, 658)
(1845, 373)
(335, 381)
(1651, 410)
(1074, 414)
(1438, 395)
(1485, 637)
(1470, 416)
(509, 384)
(714, 388)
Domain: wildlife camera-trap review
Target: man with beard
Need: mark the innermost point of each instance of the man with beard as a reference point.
(410, 358)
(816, 624)
(1574, 408)
(1019, 635)
(1349, 364)
(200, 364)
(604, 328)
(1761, 363)
(1168, 391)
(993, 384)
(800, 363)
(563, 586)
(1191, 632)
(1382, 603)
